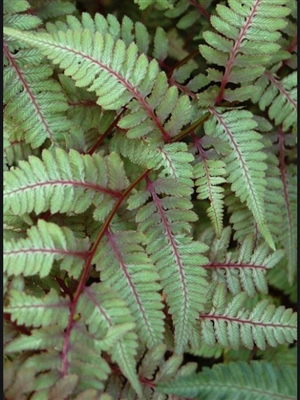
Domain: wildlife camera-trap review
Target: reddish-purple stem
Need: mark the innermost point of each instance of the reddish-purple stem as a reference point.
(234, 52)
(157, 201)
(200, 8)
(242, 321)
(132, 89)
(86, 185)
(225, 265)
(85, 273)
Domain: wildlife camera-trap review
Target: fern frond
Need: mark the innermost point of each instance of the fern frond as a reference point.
(33, 100)
(45, 243)
(279, 97)
(259, 380)
(15, 6)
(117, 75)
(208, 175)
(230, 325)
(128, 270)
(248, 35)
(165, 221)
(63, 182)
(241, 217)
(106, 314)
(33, 311)
(246, 270)
(245, 166)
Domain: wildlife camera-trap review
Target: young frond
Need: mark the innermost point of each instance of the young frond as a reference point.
(129, 271)
(279, 97)
(231, 325)
(64, 182)
(259, 380)
(245, 165)
(44, 244)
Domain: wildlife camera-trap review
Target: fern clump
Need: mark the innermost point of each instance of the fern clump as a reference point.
(150, 218)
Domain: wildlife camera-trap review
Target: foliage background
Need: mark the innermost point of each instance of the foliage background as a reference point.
(150, 226)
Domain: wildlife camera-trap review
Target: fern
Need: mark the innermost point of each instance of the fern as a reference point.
(250, 31)
(238, 380)
(279, 96)
(45, 243)
(230, 325)
(250, 185)
(149, 199)
(245, 270)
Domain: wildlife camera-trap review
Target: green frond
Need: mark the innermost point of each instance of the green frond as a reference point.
(105, 314)
(246, 34)
(150, 218)
(208, 175)
(63, 182)
(12, 7)
(165, 222)
(279, 97)
(243, 270)
(35, 311)
(173, 161)
(40, 339)
(33, 100)
(117, 75)
(245, 165)
(231, 325)
(259, 380)
(241, 217)
(122, 353)
(44, 244)
(130, 272)
(126, 30)
(84, 359)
